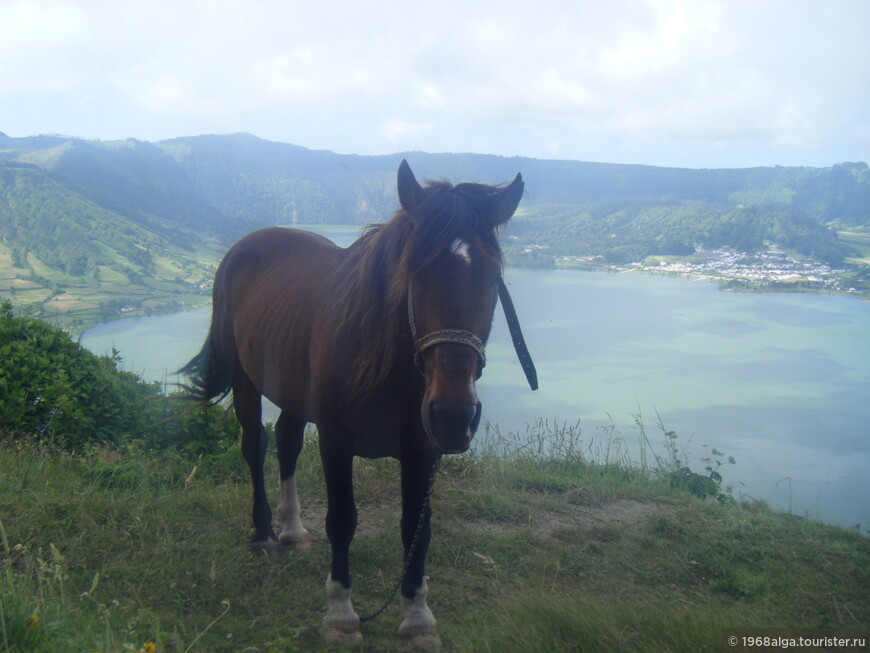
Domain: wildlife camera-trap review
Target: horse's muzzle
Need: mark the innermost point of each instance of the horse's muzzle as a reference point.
(450, 428)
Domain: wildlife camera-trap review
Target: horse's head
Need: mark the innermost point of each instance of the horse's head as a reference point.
(452, 295)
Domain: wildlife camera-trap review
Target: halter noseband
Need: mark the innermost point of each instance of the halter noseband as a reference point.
(443, 336)
(467, 338)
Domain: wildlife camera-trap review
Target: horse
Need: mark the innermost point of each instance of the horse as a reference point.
(380, 345)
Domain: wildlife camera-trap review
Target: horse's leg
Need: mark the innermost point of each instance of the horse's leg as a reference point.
(289, 433)
(418, 623)
(248, 407)
(341, 622)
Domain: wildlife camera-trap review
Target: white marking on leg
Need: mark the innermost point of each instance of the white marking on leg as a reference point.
(460, 248)
(418, 622)
(292, 532)
(341, 623)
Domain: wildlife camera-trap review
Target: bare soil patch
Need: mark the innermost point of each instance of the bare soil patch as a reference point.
(549, 523)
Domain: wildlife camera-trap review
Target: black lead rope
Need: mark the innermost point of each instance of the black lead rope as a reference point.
(411, 549)
(525, 357)
(513, 321)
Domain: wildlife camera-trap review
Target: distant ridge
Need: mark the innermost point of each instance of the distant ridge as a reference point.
(81, 205)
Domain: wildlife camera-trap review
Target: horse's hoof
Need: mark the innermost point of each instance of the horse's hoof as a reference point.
(269, 548)
(426, 638)
(418, 628)
(298, 547)
(296, 542)
(342, 633)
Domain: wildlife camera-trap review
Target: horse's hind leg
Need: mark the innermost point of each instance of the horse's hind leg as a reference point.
(248, 407)
(289, 433)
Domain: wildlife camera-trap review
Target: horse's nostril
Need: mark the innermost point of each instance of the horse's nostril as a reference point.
(475, 418)
(437, 413)
(444, 416)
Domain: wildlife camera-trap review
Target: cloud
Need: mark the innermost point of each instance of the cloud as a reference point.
(36, 39)
(397, 130)
(777, 74)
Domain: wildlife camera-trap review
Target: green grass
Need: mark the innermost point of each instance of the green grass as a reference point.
(179, 281)
(860, 241)
(541, 543)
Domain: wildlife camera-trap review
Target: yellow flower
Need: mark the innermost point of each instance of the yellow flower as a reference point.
(33, 621)
(149, 647)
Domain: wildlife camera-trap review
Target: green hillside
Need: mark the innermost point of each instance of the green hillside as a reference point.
(89, 228)
(225, 165)
(622, 212)
(124, 526)
(635, 231)
(78, 261)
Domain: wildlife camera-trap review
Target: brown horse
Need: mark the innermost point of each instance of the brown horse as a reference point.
(379, 345)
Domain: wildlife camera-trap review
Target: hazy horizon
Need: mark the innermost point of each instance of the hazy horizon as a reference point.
(668, 83)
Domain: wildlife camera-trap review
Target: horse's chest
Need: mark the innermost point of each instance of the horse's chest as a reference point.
(370, 445)
(377, 431)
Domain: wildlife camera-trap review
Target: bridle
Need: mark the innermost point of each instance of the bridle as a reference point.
(443, 336)
(469, 339)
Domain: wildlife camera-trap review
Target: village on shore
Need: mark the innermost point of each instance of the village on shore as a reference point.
(773, 269)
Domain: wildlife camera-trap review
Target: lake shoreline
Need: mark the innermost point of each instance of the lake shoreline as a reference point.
(766, 379)
(88, 321)
(162, 302)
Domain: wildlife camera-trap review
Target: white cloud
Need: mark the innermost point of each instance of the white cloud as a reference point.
(779, 73)
(397, 130)
(36, 39)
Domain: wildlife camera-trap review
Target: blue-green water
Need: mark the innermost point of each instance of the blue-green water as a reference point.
(780, 382)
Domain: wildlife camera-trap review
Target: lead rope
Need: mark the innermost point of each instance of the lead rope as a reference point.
(510, 314)
(411, 550)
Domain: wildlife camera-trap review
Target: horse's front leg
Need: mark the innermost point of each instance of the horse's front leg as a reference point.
(341, 622)
(418, 624)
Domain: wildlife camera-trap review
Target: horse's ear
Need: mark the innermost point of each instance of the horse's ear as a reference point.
(506, 202)
(410, 191)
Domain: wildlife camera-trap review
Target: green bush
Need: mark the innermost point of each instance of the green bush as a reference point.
(53, 388)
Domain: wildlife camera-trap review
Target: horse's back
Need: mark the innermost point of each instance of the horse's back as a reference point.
(272, 284)
(276, 246)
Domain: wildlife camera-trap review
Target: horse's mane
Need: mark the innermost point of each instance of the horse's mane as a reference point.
(374, 280)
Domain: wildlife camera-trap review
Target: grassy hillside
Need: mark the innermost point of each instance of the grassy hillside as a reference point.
(124, 523)
(631, 233)
(115, 549)
(136, 180)
(88, 228)
(78, 262)
(225, 166)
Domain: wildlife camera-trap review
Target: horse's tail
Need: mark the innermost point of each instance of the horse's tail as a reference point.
(210, 372)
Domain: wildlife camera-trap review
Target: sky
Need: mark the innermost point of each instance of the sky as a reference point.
(698, 84)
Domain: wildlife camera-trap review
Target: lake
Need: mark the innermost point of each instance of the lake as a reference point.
(781, 382)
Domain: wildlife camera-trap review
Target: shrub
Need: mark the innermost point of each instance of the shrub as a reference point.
(51, 387)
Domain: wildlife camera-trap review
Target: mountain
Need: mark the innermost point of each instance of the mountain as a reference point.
(135, 180)
(252, 180)
(148, 211)
(238, 171)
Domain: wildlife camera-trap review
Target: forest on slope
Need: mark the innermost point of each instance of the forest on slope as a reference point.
(144, 210)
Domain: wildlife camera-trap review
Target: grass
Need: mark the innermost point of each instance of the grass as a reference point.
(541, 542)
(859, 240)
(79, 302)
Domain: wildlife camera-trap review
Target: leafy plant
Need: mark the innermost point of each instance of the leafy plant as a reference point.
(51, 387)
